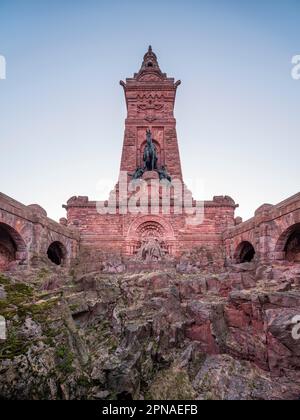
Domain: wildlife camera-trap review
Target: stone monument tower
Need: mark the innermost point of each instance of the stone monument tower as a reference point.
(150, 152)
(150, 99)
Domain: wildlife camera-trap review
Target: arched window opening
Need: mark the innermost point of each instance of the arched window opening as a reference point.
(292, 246)
(245, 253)
(12, 246)
(56, 253)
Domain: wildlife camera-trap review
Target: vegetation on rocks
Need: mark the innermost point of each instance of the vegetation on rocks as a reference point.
(159, 335)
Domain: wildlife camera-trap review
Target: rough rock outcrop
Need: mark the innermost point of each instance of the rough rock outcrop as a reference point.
(150, 335)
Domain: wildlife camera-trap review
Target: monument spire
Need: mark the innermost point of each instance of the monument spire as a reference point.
(150, 64)
(150, 98)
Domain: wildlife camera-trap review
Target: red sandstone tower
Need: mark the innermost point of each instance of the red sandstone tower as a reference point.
(150, 99)
(26, 233)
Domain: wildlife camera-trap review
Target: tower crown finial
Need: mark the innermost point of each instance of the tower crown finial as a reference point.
(150, 62)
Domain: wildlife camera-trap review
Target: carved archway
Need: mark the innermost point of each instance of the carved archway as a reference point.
(288, 244)
(150, 227)
(245, 252)
(12, 246)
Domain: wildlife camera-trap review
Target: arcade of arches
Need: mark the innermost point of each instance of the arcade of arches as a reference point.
(13, 248)
(28, 237)
(158, 231)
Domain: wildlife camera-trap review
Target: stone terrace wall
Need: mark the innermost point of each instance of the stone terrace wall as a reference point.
(31, 232)
(268, 231)
(121, 233)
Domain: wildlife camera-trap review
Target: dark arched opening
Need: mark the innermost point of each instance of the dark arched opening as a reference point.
(12, 246)
(56, 253)
(245, 252)
(292, 245)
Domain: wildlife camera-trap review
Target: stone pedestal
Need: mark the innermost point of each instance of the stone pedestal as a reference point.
(148, 175)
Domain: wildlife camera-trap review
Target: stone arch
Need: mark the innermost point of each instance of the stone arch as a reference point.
(146, 227)
(245, 252)
(288, 244)
(150, 229)
(164, 225)
(12, 246)
(57, 253)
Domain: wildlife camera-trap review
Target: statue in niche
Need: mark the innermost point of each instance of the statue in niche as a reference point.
(150, 250)
(150, 154)
(150, 162)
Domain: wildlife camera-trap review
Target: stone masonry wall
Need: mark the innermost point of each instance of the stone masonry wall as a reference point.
(118, 233)
(268, 231)
(31, 232)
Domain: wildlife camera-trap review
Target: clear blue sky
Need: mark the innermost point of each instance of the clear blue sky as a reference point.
(62, 110)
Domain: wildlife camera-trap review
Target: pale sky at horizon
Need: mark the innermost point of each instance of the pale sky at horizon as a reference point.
(62, 110)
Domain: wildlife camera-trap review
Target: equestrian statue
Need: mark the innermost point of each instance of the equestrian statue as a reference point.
(150, 162)
(150, 154)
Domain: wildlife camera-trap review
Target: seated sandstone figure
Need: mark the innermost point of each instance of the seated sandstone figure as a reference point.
(150, 250)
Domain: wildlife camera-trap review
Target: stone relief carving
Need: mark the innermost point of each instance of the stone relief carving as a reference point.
(150, 250)
(150, 105)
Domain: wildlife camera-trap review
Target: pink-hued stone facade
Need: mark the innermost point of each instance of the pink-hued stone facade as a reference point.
(26, 233)
(150, 99)
(271, 235)
(273, 232)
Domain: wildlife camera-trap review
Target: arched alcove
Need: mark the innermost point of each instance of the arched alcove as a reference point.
(245, 252)
(12, 246)
(288, 244)
(57, 253)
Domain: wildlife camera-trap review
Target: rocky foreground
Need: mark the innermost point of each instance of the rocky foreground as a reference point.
(151, 335)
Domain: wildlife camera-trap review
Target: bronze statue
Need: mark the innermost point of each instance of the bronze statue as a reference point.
(138, 173)
(150, 161)
(150, 154)
(163, 174)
